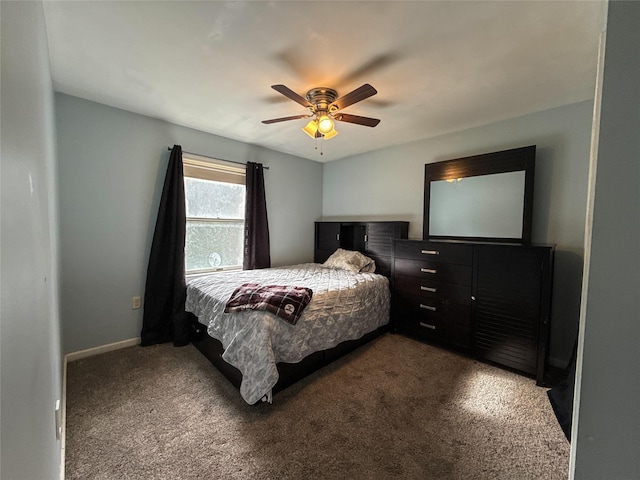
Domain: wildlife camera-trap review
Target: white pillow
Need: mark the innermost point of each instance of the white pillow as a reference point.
(350, 260)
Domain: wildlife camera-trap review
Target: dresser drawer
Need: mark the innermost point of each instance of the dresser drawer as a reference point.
(410, 316)
(435, 251)
(438, 320)
(434, 271)
(427, 287)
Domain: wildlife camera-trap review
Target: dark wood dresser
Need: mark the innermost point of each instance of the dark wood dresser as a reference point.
(374, 239)
(492, 301)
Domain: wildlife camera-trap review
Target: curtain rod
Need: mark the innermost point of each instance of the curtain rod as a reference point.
(212, 158)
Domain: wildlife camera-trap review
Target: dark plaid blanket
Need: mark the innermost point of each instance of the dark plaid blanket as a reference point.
(285, 302)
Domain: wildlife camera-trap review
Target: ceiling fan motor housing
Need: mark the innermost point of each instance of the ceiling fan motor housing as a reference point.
(321, 98)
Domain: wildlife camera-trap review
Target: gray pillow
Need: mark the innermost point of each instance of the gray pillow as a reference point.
(350, 260)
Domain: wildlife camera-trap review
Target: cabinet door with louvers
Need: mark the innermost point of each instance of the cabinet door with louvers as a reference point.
(512, 305)
(379, 242)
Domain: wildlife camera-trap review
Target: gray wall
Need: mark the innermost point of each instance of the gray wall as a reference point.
(30, 328)
(608, 429)
(111, 169)
(389, 184)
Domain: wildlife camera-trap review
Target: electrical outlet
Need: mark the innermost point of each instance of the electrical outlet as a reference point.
(136, 303)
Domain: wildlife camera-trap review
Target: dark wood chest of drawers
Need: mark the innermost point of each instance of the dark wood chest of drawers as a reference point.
(432, 286)
(491, 301)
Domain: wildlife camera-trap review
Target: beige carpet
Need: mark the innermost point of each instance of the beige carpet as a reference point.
(395, 408)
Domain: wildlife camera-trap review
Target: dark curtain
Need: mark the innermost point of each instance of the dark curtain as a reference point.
(256, 230)
(164, 318)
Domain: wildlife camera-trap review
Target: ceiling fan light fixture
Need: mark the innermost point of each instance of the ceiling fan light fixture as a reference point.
(325, 124)
(311, 128)
(325, 108)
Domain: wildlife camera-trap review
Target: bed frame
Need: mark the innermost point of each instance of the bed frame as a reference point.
(289, 372)
(374, 239)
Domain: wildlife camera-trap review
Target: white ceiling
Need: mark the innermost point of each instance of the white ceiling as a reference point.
(438, 66)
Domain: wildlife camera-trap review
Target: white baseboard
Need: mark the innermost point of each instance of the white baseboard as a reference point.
(70, 357)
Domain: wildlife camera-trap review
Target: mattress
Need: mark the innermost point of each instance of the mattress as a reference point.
(344, 306)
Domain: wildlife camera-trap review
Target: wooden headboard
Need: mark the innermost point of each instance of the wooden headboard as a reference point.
(372, 238)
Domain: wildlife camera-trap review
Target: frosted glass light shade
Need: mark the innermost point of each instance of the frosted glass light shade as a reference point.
(325, 124)
(311, 129)
(331, 134)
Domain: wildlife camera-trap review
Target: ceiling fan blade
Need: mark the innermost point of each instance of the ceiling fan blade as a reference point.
(284, 119)
(359, 94)
(366, 121)
(287, 92)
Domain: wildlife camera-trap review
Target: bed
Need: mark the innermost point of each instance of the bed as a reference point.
(259, 351)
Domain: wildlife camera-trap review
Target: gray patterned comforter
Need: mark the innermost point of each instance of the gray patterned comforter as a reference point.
(344, 306)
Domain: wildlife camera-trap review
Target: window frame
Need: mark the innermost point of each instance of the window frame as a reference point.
(205, 168)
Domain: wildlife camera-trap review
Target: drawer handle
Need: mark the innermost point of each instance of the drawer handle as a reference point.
(428, 307)
(428, 289)
(427, 325)
(428, 270)
(431, 252)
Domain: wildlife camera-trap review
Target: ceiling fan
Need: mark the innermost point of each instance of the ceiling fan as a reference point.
(324, 109)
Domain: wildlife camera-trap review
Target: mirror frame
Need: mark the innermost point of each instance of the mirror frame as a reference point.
(514, 160)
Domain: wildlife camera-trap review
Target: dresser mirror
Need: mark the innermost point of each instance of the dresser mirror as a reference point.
(486, 197)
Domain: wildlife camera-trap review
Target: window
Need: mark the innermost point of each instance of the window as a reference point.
(215, 199)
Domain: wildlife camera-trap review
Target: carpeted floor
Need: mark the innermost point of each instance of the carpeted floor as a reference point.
(395, 408)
